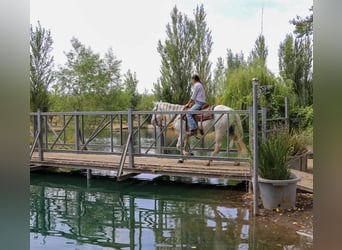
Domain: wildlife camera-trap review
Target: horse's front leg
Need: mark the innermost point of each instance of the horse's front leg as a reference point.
(185, 145)
(218, 144)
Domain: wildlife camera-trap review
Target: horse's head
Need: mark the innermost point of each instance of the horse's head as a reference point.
(157, 119)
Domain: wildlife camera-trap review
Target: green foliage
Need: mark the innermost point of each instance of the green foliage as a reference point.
(298, 143)
(186, 50)
(41, 67)
(295, 64)
(273, 157)
(235, 61)
(295, 59)
(219, 79)
(131, 83)
(260, 52)
(89, 81)
(176, 63)
(301, 118)
(303, 26)
(238, 94)
(202, 50)
(146, 102)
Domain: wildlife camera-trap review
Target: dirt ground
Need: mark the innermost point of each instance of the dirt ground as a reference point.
(299, 219)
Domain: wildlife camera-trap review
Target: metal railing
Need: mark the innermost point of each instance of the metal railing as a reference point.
(81, 132)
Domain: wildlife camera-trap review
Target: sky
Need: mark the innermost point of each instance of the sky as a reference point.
(132, 28)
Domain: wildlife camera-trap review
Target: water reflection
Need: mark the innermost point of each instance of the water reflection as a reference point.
(137, 214)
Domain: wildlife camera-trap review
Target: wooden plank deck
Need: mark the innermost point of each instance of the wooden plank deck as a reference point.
(154, 165)
(306, 183)
(150, 165)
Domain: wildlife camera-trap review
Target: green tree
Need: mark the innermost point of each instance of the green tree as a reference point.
(176, 60)
(295, 65)
(89, 79)
(235, 61)
(146, 101)
(131, 83)
(202, 50)
(303, 26)
(185, 51)
(219, 78)
(260, 51)
(41, 67)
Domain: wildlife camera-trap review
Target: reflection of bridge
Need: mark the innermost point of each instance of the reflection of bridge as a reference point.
(129, 216)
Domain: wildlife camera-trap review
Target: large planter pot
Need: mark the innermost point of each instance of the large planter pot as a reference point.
(299, 162)
(279, 193)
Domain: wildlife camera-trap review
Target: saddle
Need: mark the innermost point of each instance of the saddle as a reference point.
(202, 117)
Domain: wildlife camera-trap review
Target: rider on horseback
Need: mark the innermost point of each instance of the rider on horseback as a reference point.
(198, 97)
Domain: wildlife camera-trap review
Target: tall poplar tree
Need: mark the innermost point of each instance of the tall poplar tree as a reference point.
(260, 51)
(202, 49)
(176, 60)
(41, 67)
(295, 59)
(185, 51)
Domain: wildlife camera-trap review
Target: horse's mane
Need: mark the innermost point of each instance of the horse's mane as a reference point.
(165, 106)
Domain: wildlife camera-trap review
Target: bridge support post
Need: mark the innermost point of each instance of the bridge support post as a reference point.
(88, 174)
(130, 132)
(255, 146)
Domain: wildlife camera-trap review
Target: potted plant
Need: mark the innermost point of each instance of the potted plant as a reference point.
(277, 184)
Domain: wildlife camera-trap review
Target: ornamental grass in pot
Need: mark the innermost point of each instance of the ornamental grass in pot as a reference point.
(298, 151)
(277, 184)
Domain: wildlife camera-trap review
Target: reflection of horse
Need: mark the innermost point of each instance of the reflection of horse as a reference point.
(221, 126)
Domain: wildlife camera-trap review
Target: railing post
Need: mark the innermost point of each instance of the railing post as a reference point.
(251, 144)
(40, 136)
(255, 146)
(228, 140)
(130, 132)
(46, 132)
(111, 135)
(287, 112)
(263, 123)
(160, 142)
(77, 135)
(181, 135)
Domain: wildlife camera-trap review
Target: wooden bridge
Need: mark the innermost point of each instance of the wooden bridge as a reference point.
(70, 140)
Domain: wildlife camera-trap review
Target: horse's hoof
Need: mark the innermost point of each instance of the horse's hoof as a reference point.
(180, 161)
(237, 163)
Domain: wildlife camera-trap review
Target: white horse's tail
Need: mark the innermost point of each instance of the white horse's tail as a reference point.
(237, 134)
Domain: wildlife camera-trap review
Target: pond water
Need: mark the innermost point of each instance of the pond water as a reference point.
(146, 212)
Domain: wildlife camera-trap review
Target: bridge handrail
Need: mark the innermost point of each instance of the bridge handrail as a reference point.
(140, 112)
